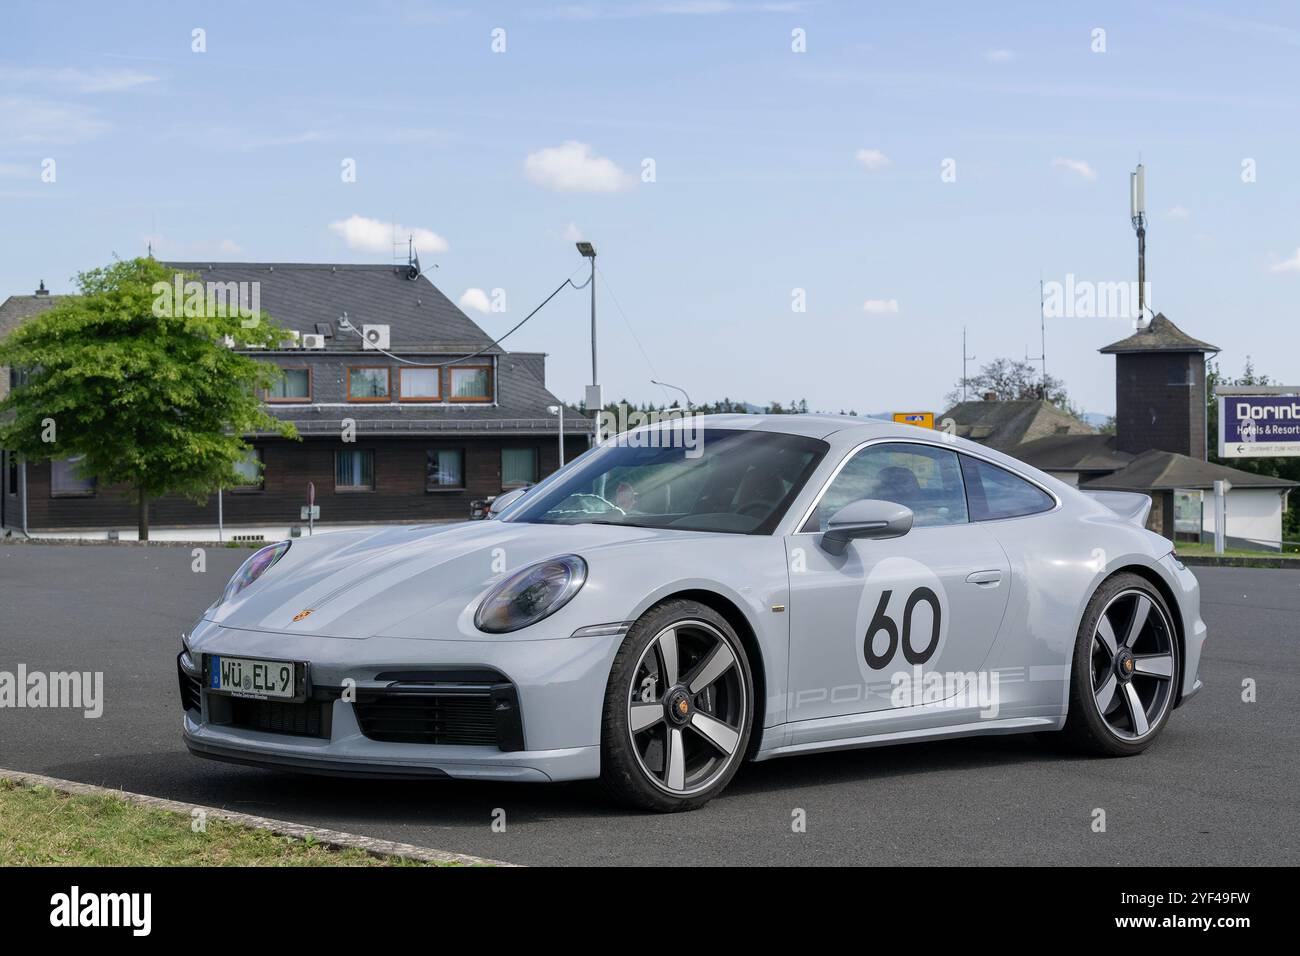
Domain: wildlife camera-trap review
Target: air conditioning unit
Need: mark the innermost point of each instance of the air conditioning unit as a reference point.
(312, 341)
(292, 342)
(374, 336)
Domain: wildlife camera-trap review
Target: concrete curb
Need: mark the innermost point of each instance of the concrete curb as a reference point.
(335, 839)
(15, 540)
(1238, 561)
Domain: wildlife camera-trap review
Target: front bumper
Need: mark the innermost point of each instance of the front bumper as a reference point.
(1188, 595)
(534, 715)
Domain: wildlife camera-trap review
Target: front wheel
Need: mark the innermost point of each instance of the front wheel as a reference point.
(1123, 683)
(678, 709)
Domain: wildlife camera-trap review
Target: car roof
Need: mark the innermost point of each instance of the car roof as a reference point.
(813, 426)
(844, 431)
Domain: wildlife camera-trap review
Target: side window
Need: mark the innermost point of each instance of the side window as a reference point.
(994, 492)
(924, 478)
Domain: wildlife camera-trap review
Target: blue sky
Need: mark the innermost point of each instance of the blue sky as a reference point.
(775, 170)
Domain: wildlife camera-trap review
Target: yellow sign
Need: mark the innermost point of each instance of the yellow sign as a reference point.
(923, 419)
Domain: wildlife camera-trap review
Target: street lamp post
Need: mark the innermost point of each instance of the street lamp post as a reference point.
(559, 410)
(689, 405)
(595, 401)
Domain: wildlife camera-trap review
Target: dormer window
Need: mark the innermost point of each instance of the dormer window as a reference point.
(294, 386)
(368, 384)
(471, 383)
(419, 384)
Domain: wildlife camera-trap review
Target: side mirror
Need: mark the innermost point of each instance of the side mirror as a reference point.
(501, 502)
(865, 518)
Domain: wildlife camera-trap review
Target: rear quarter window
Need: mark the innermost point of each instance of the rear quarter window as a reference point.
(993, 492)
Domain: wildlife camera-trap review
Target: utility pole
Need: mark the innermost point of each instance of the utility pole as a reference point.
(964, 359)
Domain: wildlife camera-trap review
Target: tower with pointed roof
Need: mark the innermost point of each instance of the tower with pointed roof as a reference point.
(1160, 390)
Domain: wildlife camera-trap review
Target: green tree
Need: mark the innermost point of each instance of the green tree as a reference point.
(1012, 380)
(142, 387)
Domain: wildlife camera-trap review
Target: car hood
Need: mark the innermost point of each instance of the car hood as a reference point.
(417, 582)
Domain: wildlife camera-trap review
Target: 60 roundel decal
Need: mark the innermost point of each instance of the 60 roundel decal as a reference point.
(897, 635)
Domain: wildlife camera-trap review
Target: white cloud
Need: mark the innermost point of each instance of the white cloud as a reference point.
(72, 80)
(229, 247)
(1180, 212)
(289, 139)
(573, 168)
(475, 299)
(572, 233)
(998, 56)
(667, 8)
(872, 159)
(30, 121)
(1289, 265)
(1079, 167)
(880, 306)
(372, 235)
(12, 170)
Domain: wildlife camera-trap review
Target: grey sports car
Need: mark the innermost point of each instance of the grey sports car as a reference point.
(698, 593)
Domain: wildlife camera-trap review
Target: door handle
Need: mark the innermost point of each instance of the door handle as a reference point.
(985, 578)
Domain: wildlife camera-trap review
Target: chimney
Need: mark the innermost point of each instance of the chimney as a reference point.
(42, 290)
(990, 396)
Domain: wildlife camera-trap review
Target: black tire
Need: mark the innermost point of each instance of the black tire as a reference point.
(1118, 731)
(628, 770)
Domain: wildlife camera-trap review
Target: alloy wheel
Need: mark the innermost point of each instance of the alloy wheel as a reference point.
(687, 706)
(1133, 664)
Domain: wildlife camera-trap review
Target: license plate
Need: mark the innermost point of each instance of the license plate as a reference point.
(247, 677)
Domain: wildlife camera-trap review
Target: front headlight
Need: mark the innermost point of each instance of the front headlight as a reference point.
(254, 568)
(531, 594)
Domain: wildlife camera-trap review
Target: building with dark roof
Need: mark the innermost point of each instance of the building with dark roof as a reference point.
(1160, 389)
(14, 311)
(407, 411)
(1007, 425)
(1158, 447)
(1074, 458)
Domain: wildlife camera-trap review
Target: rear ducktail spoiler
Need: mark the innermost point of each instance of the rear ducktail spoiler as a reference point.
(1130, 505)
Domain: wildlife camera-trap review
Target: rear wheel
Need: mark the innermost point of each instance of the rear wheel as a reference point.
(678, 709)
(1125, 670)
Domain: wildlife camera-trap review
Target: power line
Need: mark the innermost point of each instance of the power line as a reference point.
(517, 327)
(628, 323)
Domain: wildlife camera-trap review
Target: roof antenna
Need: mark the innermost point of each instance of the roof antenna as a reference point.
(412, 259)
(1042, 342)
(1137, 212)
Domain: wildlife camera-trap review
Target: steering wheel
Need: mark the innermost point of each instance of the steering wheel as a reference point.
(759, 509)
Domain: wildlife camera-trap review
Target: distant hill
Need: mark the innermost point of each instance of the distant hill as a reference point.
(1095, 419)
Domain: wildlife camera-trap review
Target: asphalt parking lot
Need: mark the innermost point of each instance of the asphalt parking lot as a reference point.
(1219, 787)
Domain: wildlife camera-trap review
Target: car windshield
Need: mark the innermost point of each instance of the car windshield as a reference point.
(732, 480)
